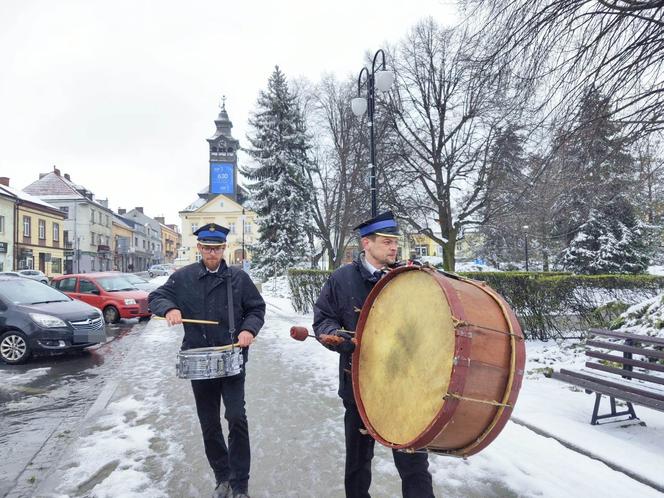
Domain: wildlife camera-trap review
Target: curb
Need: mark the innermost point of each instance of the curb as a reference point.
(582, 451)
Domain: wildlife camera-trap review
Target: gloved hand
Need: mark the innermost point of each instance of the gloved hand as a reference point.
(347, 346)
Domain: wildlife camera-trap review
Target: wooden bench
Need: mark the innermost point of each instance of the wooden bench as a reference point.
(638, 383)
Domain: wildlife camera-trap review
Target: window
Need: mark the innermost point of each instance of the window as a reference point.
(2, 224)
(65, 209)
(42, 229)
(56, 265)
(100, 217)
(422, 250)
(247, 227)
(144, 246)
(86, 287)
(92, 216)
(26, 226)
(92, 238)
(107, 221)
(194, 227)
(56, 232)
(67, 284)
(135, 241)
(232, 227)
(65, 236)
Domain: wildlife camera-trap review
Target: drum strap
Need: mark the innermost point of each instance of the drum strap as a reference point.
(231, 310)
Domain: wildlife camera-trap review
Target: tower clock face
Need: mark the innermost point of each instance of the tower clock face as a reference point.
(222, 178)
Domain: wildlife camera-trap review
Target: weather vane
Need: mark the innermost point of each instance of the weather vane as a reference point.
(223, 103)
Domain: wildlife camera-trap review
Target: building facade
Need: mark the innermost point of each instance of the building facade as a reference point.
(38, 233)
(171, 240)
(88, 226)
(150, 231)
(7, 232)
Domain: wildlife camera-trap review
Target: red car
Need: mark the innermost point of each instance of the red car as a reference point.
(110, 292)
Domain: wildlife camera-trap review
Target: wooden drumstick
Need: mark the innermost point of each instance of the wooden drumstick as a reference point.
(189, 320)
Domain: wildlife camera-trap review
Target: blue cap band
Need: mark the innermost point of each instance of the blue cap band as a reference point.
(369, 229)
(207, 235)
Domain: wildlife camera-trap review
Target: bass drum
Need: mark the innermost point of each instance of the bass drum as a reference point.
(438, 364)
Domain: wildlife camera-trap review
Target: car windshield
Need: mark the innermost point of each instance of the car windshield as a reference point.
(26, 291)
(135, 279)
(115, 284)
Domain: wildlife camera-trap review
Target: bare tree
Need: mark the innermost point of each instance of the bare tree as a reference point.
(446, 110)
(568, 46)
(339, 158)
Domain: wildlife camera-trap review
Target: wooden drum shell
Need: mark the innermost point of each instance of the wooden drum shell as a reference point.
(486, 369)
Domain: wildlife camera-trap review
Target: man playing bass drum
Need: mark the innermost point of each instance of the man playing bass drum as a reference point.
(338, 307)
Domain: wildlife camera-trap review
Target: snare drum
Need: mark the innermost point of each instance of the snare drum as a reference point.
(209, 363)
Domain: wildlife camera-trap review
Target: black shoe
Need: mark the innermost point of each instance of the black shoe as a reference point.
(223, 490)
(240, 495)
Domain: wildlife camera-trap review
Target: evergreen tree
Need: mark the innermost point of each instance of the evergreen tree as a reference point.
(612, 240)
(280, 192)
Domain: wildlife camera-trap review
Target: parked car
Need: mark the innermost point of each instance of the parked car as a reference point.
(139, 282)
(10, 274)
(110, 292)
(37, 319)
(156, 270)
(34, 275)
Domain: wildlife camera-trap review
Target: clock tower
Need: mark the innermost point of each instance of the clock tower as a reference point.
(223, 157)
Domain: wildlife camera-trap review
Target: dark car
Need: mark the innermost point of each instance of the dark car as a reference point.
(37, 319)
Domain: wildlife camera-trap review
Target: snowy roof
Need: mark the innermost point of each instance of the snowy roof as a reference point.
(197, 204)
(24, 196)
(56, 187)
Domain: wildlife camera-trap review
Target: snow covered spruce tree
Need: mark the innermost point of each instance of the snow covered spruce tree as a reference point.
(612, 240)
(279, 189)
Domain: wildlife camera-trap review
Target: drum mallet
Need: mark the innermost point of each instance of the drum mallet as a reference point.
(301, 333)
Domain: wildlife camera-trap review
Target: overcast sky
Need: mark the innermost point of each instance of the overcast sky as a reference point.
(122, 95)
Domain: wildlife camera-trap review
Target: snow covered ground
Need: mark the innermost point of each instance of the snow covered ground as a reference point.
(146, 442)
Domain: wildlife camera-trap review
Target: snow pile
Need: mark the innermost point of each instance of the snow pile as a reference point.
(276, 287)
(645, 318)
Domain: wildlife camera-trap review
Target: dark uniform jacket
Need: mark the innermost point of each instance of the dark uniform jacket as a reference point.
(202, 295)
(338, 307)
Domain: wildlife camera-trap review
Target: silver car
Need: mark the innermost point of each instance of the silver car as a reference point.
(34, 275)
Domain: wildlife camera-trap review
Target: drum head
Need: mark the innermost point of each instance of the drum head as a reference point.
(406, 356)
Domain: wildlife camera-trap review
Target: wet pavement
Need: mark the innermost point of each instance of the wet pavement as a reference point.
(116, 422)
(43, 402)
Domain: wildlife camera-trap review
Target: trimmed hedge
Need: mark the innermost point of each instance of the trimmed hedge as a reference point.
(547, 304)
(305, 285)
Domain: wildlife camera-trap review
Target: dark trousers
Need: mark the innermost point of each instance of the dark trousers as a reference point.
(412, 467)
(228, 463)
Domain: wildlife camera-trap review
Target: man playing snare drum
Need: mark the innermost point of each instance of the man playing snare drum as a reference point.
(200, 291)
(338, 307)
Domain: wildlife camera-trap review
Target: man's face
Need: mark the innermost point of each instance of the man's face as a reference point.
(212, 255)
(381, 249)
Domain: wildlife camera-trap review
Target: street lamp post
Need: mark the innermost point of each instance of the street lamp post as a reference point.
(525, 228)
(382, 80)
(243, 219)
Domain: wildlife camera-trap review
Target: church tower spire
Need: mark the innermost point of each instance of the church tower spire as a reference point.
(223, 156)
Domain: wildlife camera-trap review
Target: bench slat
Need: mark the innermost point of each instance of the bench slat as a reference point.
(617, 385)
(652, 353)
(659, 341)
(610, 391)
(623, 372)
(626, 361)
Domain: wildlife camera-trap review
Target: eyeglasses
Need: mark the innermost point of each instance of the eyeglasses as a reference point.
(212, 249)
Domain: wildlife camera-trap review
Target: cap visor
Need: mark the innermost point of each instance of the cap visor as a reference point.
(208, 243)
(383, 234)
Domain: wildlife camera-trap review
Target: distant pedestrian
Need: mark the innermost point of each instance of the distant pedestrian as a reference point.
(338, 308)
(199, 291)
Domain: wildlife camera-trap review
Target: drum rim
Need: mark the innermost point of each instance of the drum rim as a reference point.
(459, 371)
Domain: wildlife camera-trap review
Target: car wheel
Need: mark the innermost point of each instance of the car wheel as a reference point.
(14, 347)
(150, 274)
(111, 314)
